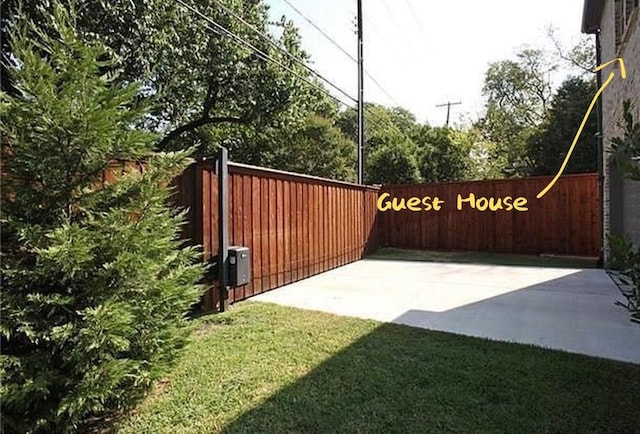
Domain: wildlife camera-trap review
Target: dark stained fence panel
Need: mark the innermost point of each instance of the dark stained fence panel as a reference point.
(295, 226)
(565, 221)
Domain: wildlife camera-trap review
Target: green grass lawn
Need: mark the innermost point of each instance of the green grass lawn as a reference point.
(261, 368)
(388, 253)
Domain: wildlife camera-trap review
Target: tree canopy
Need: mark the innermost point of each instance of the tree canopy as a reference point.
(549, 145)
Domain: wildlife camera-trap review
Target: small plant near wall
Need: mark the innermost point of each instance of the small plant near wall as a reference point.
(625, 257)
(625, 260)
(625, 150)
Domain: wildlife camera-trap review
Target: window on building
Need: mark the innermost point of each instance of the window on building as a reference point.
(624, 14)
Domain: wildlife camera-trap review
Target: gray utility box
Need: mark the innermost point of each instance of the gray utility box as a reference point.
(239, 266)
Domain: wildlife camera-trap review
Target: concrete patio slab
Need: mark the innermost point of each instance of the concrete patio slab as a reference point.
(564, 309)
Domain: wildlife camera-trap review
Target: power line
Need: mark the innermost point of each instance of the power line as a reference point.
(282, 50)
(395, 22)
(393, 100)
(388, 123)
(221, 29)
(415, 19)
(329, 38)
(353, 16)
(343, 50)
(377, 31)
(366, 72)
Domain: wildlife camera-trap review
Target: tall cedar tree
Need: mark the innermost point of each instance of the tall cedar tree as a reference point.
(95, 281)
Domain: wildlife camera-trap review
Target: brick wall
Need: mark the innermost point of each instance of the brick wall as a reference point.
(621, 197)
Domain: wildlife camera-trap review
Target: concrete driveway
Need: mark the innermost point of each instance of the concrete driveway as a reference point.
(565, 309)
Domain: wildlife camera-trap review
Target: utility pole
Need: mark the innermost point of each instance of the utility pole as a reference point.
(448, 105)
(360, 99)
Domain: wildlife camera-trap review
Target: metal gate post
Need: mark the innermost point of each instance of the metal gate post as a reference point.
(223, 226)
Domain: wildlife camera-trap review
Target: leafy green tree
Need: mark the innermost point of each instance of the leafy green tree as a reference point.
(443, 154)
(95, 282)
(316, 148)
(549, 145)
(402, 119)
(485, 161)
(386, 138)
(518, 94)
(392, 163)
(334, 154)
(207, 89)
(379, 121)
(521, 88)
(198, 76)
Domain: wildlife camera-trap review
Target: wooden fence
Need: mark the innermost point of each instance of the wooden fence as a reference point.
(295, 225)
(564, 221)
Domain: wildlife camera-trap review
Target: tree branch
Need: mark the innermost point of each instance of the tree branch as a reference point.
(567, 57)
(197, 123)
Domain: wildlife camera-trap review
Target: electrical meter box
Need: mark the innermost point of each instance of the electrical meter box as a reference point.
(239, 266)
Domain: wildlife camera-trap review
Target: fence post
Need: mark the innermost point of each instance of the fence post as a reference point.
(223, 225)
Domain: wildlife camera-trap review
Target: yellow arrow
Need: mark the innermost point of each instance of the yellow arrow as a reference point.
(623, 73)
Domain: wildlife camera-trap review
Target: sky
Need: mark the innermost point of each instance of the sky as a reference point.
(427, 52)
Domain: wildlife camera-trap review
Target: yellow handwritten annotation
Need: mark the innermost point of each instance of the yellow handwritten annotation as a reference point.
(506, 203)
(623, 74)
(426, 203)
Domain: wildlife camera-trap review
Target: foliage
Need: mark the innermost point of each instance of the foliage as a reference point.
(439, 154)
(198, 77)
(392, 163)
(508, 139)
(382, 124)
(390, 152)
(443, 154)
(625, 154)
(549, 144)
(625, 150)
(621, 251)
(625, 258)
(518, 93)
(312, 145)
(334, 155)
(402, 119)
(581, 56)
(521, 88)
(95, 283)
(484, 159)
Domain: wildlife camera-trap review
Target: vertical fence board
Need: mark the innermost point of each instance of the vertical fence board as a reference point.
(256, 234)
(298, 226)
(264, 230)
(565, 221)
(272, 257)
(299, 232)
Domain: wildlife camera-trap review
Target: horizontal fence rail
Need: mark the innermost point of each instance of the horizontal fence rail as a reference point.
(565, 221)
(295, 226)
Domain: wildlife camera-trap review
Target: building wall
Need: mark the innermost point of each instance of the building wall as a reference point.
(621, 197)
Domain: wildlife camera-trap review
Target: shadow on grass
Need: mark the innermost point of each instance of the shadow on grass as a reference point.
(266, 368)
(406, 380)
